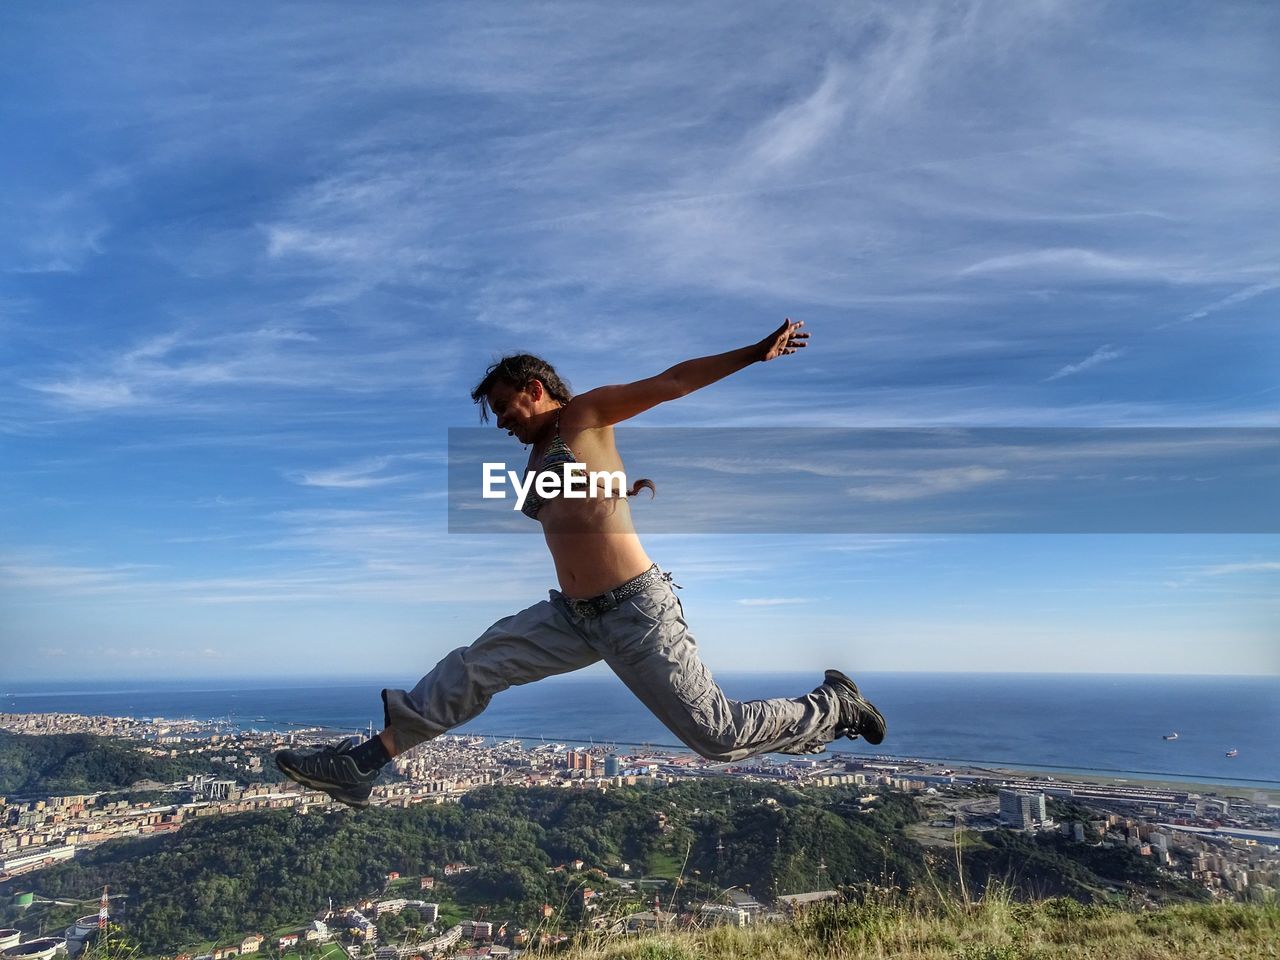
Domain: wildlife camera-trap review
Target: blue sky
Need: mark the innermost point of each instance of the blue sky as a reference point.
(255, 258)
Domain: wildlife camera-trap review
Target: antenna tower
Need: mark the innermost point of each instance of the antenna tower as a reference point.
(102, 910)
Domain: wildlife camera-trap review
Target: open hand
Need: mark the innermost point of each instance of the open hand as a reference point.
(786, 339)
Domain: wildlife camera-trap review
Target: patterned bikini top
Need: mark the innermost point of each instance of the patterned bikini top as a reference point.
(558, 453)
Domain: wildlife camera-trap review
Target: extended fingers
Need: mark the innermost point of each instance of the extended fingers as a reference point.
(788, 338)
(794, 339)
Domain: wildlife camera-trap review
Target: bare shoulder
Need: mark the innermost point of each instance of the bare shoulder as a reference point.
(578, 424)
(576, 416)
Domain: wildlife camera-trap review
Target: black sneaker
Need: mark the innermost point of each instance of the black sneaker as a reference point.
(332, 770)
(858, 716)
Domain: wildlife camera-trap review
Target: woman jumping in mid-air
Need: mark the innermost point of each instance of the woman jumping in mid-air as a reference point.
(614, 604)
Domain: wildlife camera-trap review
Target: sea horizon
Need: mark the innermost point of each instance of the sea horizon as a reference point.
(594, 672)
(1101, 724)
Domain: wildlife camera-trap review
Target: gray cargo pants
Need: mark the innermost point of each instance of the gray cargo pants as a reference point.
(647, 643)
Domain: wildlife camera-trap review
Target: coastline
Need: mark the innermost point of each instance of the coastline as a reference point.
(1102, 727)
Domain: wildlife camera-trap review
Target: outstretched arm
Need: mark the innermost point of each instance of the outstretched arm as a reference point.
(613, 404)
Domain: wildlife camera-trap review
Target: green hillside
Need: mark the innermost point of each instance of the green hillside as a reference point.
(225, 876)
(994, 928)
(72, 763)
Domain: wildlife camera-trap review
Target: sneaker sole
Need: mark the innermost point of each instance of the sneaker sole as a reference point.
(297, 776)
(871, 707)
(883, 726)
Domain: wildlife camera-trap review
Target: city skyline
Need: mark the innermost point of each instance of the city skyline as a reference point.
(255, 265)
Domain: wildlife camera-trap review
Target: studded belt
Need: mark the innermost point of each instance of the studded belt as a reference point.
(594, 606)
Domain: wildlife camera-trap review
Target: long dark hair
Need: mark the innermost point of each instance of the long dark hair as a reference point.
(516, 370)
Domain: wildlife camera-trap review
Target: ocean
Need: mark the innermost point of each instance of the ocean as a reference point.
(1099, 724)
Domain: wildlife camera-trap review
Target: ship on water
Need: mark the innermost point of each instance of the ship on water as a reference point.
(1233, 752)
(1171, 736)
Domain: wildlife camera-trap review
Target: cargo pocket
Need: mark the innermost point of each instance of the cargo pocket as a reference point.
(650, 609)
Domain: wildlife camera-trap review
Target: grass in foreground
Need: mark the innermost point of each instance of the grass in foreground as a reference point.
(996, 928)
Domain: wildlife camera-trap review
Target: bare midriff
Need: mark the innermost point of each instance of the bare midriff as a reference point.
(592, 541)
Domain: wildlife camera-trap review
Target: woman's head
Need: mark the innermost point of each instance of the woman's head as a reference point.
(516, 384)
(518, 371)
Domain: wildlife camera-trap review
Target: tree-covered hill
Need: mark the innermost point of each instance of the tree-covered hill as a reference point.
(225, 876)
(1050, 865)
(83, 763)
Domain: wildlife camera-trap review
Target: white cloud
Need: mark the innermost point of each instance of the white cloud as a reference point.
(917, 484)
(72, 579)
(366, 473)
(1232, 569)
(59, 250)
(1101, 355)
(169, 653)
(190, 368)
(796, 130)
(1240, 296)
(1070, 262)
(80, 394)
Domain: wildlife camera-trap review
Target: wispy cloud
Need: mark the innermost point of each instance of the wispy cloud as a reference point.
(355, 476)
(894, 486)
(1071, 262)
(110, 653)
(1240, 296)
(204, 370)
(1101, 355)
(329, 556)
(1235, 578)
(60, 251)
(773, 601)
(796, 130)
(74, 579)
(80, 394)
(1232, 569)
(160, 368)
(59, 232)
